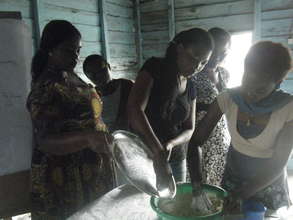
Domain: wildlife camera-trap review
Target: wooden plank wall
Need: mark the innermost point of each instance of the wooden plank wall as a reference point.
(277, 25)
(154, 28)
(232, 15)
(121, 27)
(85, 16)
(235, 16)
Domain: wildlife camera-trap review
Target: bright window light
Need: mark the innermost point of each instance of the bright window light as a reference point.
(234, 62)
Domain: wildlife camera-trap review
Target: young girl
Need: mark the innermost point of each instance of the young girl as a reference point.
(114, 92)
(70, 163)
(161, 104)
(260, 121)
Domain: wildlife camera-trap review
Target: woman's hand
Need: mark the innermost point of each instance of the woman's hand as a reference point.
(101, 142)
(162, 170)
(170, 145)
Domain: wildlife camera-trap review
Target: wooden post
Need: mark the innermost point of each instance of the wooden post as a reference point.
(138, 35)
(104, 29)
(257, 20)
(36, 6)
(171, 19)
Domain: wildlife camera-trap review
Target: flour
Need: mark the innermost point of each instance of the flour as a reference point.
(180, 206)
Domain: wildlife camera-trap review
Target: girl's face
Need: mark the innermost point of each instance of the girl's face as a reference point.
(219, 54)
(192, 59)
(256, 86)
(101, 77)
(65, 55)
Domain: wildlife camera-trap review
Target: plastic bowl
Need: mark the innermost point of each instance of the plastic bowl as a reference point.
(187, 188)
(253, 210)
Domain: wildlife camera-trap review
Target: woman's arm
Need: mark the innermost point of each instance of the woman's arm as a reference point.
(137, 102)
(275, 166)
(188, 127)
(70, 142)
(200, 135)
(122, 117)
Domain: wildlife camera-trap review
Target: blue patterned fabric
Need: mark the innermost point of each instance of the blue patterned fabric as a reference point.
(273, 102)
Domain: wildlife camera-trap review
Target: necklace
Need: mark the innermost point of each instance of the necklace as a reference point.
(248, 122)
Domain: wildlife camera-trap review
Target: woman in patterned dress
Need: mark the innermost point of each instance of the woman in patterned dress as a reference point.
(70, 164)
(209, 83)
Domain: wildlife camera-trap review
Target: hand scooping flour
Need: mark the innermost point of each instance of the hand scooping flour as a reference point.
(201, 202)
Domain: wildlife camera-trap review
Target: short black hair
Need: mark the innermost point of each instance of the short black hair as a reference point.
(273, 58)
(220, 35)
(96, 59)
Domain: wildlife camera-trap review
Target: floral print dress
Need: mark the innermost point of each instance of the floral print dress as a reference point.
(62, 184)
(215, 149)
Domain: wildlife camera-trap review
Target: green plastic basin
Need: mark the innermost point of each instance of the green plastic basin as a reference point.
(187, 188)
